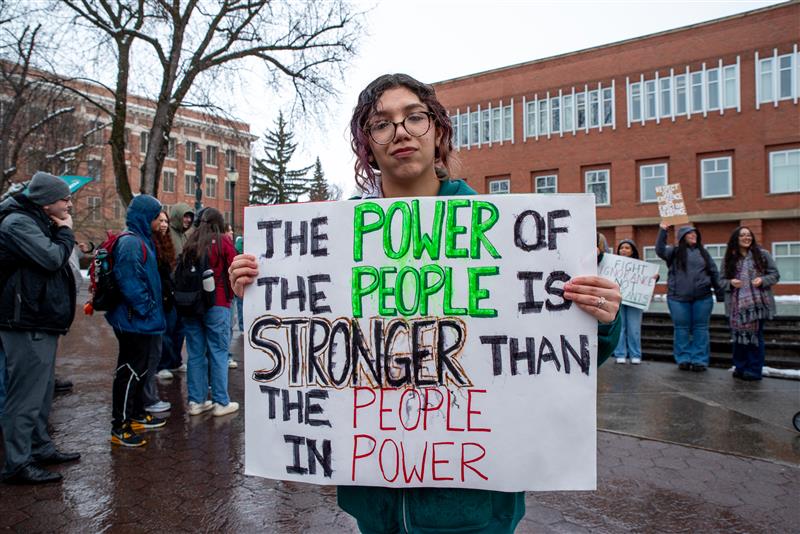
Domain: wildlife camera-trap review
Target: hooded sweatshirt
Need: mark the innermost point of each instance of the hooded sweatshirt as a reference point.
(633, 246)
(177, 232)
(136, 271)
(697, 280)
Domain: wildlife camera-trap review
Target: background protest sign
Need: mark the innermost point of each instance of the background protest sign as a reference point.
(671, 207)
(636, 278)
(422, 342)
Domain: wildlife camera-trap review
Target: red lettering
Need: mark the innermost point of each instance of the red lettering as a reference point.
(428, 407)
(381, 411)
(396, 460)
(466, 463)
(470, 411)
(403, 404)
(434, 461)
(419, 475)
(357, 406)
(449, 406)
(357, 456)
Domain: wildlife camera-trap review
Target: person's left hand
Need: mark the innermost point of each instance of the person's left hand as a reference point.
(595, 295)
(757, 282)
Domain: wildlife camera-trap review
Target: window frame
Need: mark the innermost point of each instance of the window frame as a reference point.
(165, 182)
(211, 186)
(95, 206)
(703, 194)
(144, 142)
(172, 148)
(777, 257)
(189, 186)
(662, 265)
(190, 147)
(607, 182)
(643, 166)
(492, 181)
(785, 152)
(536, 189)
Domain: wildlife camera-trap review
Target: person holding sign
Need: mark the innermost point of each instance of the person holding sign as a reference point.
(630, 317)
(692, 277)
(401, 137)
(748, 274)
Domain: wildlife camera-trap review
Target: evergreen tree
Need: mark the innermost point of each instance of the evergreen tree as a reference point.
(318, 188)
(271, 181)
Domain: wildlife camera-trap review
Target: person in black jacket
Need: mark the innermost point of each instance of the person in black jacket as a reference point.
(37, 304)
(692, 277)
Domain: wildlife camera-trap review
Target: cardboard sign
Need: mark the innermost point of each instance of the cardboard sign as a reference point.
(671, 207)
(636, 278)
(422, 342)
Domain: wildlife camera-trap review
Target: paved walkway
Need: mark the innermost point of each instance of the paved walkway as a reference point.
(189, 477)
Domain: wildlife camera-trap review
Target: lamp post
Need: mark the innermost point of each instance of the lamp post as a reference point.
(198, 181)
(233, 177)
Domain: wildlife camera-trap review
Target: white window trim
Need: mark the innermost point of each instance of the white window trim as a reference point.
(775, 257)
(771, 173)
(505, 181)
(174, 173)
(662, 280)
(608, 183)
(730, 177)
(641, 188)
(536, 178)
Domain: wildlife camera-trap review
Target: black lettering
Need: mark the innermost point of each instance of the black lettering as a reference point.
(547, 354)
(301, 238)
(268, 346)
(314, 456)
(315, 372)
(272, 394)
(567, 350)
(444, 350)
(557, 276)
(269, 226)
(552, 229)
(530, 304)
(300, 294)
(540, 231)
(316, 296)
(361, 352)
(296, 441)
(341, 327)
(392, 362)
(317, 238)
(268, 281)
(528, 354)
(420, 352)
(497, 358)
(295, 350)
(312, 408)
(289, 407)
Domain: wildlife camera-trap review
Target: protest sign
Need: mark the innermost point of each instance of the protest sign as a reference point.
(422, 342)
(671, 207)
(636, 278)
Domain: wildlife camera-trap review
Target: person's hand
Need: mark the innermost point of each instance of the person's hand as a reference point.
(757, 282)
(595, 295)
(664, 225)
(242, 272)
(86, 248)
(66, 221)
(735, 282)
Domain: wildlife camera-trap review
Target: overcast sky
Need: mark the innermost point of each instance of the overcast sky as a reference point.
(435, 40)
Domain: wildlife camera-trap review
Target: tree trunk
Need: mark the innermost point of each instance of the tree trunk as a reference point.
(119, 120)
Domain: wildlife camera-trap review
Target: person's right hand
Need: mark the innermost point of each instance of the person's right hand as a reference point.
(66, 221)
(664, 225)
(243, 272)
(735, 282)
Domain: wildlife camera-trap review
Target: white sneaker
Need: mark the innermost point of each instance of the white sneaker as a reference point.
(160, 406)
(636, 361)
(181, 369)
(225, 410)
(164, 374)
(196, 408)
(620, 360)
(232, 364)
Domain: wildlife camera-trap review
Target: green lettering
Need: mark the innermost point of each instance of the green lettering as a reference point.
(453, 229)
(480, 227)
(431, 243)
(400, 291)
(448, 295)
(360, 228)
(405, 238)
(476, 294)
(429, 289)
(358, 289)
(384, 292)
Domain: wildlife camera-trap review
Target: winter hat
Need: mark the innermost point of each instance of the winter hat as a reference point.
(46, 189)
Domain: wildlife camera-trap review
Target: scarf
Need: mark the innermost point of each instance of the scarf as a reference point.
(749, 304)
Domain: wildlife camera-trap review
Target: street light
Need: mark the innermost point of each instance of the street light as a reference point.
(233, 177)
(198, 180)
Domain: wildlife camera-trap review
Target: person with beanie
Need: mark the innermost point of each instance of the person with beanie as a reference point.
(37, 304)
(692, 277)
(630, 336)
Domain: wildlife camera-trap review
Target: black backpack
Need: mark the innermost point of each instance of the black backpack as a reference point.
(190, 298)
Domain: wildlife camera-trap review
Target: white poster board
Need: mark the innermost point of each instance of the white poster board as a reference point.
(636, 278)
(671, 206)
(475, 373)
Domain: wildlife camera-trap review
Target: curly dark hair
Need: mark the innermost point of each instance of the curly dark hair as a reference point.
(165, 250)
(368, 100)
(732, 255)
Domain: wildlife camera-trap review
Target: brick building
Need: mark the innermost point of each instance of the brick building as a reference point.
(712, 106)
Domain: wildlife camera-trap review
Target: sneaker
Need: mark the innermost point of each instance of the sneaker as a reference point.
(698, 368)
(180, 369)
(220, 410)
(684, 366)
(621, 360)
(196, 408)
(160, 406)
(165, 374)
(232, 363)
(636, 361)
(146, 422)
(127, 438)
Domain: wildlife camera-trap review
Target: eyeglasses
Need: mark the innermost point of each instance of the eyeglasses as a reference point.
(416, 124)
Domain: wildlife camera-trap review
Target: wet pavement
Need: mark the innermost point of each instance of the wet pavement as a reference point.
(677, 452)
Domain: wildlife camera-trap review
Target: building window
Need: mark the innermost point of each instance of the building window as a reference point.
(650, 256)
(787, 260)
(784, 171)
(697, 92)
(94, 169)
(119, 210)
(508, 123)
(544, 121)
(463, 129)
(211, 186)
(651, 176)
(188, 184)
(636, 102)
(546, 184)
(229, 186)
(95, 135)
(474, 128)
(716, 177)
(453, 123)
(486, 121)
(665, 102)
(172, 147)
(599, 183)
(608, 107)
(717, 253)
(568, 112)
(144, 142)
(580, 107)
(168, 181)
(680, 95)
(712, 89)
(211, 156)
(555, 114)
(594, 109)
(531, 119)
(776, 77)
(94, 209)
(228, 217)
(497, 187)
(191, 148)
(650, 99)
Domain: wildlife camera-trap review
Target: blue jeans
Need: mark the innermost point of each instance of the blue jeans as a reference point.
(630, 334)
(239, 313)
(207, 341)
(749, 359)
(690, 320)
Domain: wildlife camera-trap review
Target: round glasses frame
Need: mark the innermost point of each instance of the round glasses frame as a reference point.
(414, 131)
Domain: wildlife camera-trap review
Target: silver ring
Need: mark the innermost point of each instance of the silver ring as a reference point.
(601, 301)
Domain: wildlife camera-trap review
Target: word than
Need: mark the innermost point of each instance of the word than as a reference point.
(339, 353)
(533, 357)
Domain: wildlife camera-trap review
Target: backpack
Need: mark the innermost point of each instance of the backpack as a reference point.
(190, 298)
(103, 286)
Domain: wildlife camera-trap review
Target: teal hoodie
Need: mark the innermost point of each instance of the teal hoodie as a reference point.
(452, 510)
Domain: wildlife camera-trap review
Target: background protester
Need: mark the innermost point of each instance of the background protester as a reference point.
(401, 136)
(181, 219)
(693, 276)
(748, 274)
(138, 322)
(630, 336)
(208, 336)
(37, 304)
(238, 244)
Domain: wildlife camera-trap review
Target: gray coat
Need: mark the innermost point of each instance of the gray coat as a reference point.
(768, 279)
(698, 279)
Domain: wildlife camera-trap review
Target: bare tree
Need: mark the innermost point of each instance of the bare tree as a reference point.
(302, 43)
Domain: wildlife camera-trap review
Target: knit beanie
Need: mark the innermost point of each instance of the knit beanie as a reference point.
(46, 189)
